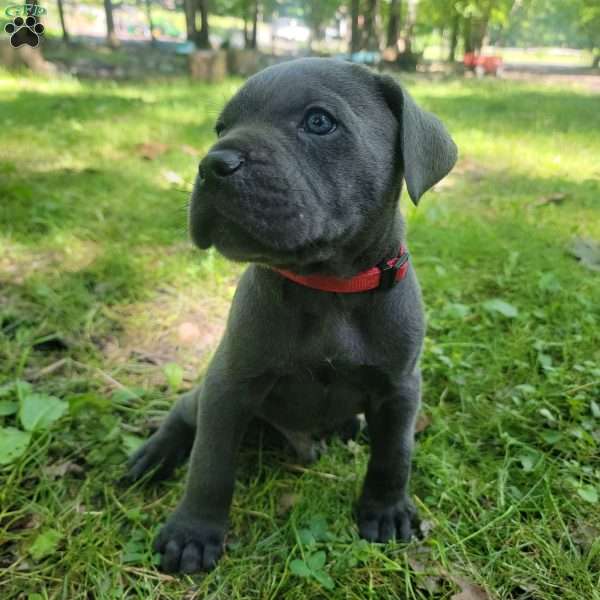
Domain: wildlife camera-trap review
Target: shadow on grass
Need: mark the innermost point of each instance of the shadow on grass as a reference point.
(65, 303)
(94, 203)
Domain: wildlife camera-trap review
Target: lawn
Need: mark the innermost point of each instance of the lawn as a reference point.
(107, 313)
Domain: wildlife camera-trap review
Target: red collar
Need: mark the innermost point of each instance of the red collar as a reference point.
(384, 276)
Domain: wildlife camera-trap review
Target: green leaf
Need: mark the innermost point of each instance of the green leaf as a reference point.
(361, 550)
(324, 579)
(545, 360)
(45, 544)
(133, 552)
(457, 310)
(13, 443)
(547, 414)
(551, 437)
(318, 527)
(35, 596)
(80, 402)
(529, 460)
(131, 442)
(548, 282)
(8, 408)
(316, 561)
(525, 389)
(23, 388)
(589, 493)
(595, 409)
(306, 537)
(298, 567)
(39, 411)
(588, 252)
(174, 374)
(497, 305)
(6, 389)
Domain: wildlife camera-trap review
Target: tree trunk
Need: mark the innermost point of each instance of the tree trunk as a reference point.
(202, 37)
(149, 15)
(478, 33)
(189, 10)
(355, 40)
(467, 37)
(246, 31)
(254, 26)
(454, 37)
(393, 29)
(371, 38)
(111, 37)
(61, 16)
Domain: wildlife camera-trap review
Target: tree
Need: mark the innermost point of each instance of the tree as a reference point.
(441, 15)
(61, 16)
(454, 31)
(393, 27)
(252, 40)
(318, 13)
(355, 42)
(202, 38)
(190, 19)
(111, 36)
(574, 23)
(371, 35)
(149, 15)
(589, 24)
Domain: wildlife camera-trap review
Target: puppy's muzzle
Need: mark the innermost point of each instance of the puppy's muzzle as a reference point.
(220, 163)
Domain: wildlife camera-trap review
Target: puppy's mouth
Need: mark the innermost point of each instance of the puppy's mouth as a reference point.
(253, 225)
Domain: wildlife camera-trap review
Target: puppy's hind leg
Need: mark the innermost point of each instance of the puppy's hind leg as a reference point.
(306, 448)
(170, 446)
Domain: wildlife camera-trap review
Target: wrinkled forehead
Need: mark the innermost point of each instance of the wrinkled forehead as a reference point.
(289, 88)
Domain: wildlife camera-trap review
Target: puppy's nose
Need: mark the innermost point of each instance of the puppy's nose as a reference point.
(220, 163)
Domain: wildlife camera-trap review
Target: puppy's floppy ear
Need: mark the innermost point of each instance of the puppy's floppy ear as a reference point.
(428, 151)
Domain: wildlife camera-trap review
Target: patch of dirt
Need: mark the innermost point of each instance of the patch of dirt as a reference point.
(172, 327)
(18, 263)
(466, 168)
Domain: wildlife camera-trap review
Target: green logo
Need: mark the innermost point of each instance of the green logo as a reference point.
(24, 10)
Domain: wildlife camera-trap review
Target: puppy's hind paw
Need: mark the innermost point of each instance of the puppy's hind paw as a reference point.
(158, 457)
(188, 545)
(398, 521)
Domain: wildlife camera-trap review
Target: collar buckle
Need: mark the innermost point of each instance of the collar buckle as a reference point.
(387, 278)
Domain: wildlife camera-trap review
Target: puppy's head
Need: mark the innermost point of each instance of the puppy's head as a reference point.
(310, 160)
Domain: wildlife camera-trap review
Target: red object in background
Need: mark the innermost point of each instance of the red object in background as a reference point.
(490, 65)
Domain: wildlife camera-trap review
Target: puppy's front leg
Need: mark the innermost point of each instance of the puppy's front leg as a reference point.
(192, 538)
(385, 510)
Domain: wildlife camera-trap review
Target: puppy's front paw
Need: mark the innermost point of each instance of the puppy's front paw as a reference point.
(382, 523)
(189, 545)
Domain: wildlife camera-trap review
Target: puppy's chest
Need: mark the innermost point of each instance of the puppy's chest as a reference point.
(331, 337)
(329, 374)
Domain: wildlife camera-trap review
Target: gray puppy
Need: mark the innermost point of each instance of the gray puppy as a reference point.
(304, 184)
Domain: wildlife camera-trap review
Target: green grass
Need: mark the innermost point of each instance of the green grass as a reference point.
(99, 290)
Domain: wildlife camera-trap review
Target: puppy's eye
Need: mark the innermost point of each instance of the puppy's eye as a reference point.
(319, 122)
(219, 128)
